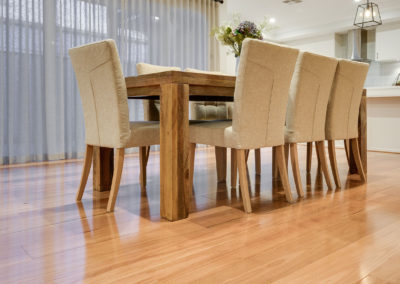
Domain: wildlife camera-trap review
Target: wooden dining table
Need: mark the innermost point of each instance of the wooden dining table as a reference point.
(175, 89)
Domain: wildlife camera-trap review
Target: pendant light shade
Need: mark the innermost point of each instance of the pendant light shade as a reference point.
(367, 15)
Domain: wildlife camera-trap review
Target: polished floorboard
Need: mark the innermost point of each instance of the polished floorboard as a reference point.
(350, 235)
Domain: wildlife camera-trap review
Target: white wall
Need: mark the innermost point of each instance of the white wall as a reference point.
(323, 45)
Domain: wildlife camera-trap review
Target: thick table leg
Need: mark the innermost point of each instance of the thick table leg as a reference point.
(103, 167)
(174, 152)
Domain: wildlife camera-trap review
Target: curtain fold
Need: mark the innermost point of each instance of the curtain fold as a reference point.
(40, 109)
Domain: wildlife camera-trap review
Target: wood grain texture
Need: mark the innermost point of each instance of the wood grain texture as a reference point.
(342, 236)
(174, 151)
(87, 163)
(103, 166)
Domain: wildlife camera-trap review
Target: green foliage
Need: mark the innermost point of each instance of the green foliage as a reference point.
(234, 33)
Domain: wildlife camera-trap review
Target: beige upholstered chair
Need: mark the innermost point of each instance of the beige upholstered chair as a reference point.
(343, 110)
(151, 109)
(260, 101)
(206, 110)
(105, 107)
(306, 111)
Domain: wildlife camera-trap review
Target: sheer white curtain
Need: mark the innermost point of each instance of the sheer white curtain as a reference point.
(40, 110)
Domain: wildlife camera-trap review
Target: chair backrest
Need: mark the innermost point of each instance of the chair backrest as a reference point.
(151, 108)
(261, 93)
(308, 98)
(344, 102)
(103, 92)
(208, 110)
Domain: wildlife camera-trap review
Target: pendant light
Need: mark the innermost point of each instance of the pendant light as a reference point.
(367, 15)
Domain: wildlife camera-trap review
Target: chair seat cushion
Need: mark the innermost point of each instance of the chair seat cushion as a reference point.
(144, 133)
(216, 133)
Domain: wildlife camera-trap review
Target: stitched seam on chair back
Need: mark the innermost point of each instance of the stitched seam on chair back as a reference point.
(315, 110)
(95, 109)
(269, 109)
(349, 110)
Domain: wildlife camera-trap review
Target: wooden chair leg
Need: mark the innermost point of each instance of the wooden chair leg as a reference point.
(347, 149)
(294, 158)
(309, 156)
(275, 171)
(87, 163)
(143, 152)
(280, 160)
(220, 158)
(192, 152)
(332, 159)
(257, 156)
(119, 164)
(247, 155)
(319, 170)
(233, 168)
(357, 159)
(244, 185)
(287, 156)
(324, 166)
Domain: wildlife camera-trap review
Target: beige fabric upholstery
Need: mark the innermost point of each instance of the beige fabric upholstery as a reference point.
(344, 102)
(308, 98)
(209, 110)
(261, 94)
(151, 108)
(104, 97)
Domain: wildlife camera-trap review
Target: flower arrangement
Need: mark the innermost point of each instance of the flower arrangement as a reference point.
(234, 33)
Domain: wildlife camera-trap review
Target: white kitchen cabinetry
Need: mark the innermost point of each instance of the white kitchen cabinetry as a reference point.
(388, 43)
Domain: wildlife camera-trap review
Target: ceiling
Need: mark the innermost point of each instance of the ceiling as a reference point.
(308, 18)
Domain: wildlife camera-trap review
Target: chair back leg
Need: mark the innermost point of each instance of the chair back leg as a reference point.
(220, 158)
(294, 158)
(332, 159)
(119, 164)
(87, 163)
(309, 156)
(192, 155)
(324, 166)
(357, 159)
(143, 158)
(257, 157)
(244, 184)
(234, 169)
(281, 161)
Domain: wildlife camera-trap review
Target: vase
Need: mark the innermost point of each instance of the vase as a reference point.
(237, 64)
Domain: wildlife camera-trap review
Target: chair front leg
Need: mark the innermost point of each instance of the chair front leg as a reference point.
(119, 164)
(87, 163)
(309, 156)
(244, 184)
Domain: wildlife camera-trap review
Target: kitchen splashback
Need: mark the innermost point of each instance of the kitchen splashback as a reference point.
(382, 74)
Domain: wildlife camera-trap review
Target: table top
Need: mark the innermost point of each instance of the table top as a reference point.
(202, 87)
